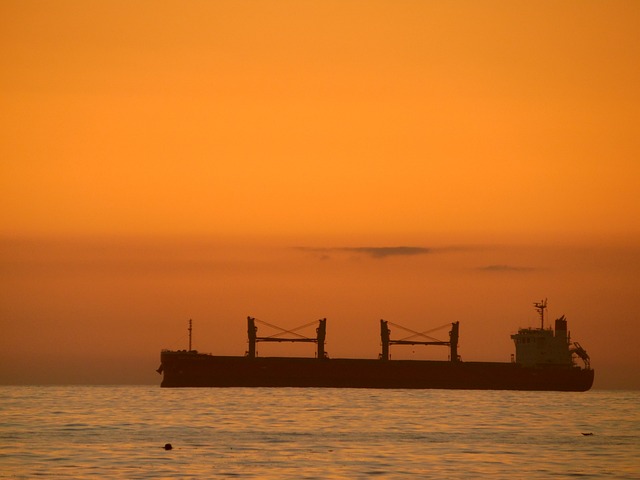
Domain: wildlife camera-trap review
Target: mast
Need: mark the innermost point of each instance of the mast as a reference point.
(540, 306)
(321, 331)
(190, 330)
(385, 335)
(453, 337)
(251, 331)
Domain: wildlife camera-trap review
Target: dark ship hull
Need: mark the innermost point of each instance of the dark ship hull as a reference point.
(191, 369)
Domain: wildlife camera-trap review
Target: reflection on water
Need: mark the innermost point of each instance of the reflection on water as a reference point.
(119, 432)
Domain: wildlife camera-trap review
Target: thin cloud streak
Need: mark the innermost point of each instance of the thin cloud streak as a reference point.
(383, 252)
(505, 268)
(380, 252)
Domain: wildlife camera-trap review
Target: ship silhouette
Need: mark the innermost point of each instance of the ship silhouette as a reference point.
(545, 359)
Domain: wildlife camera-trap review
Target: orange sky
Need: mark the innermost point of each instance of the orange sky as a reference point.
(160, 161)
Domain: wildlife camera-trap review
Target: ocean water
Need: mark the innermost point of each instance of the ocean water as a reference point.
(120, 432)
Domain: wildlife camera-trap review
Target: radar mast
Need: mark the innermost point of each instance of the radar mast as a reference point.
(540, 306)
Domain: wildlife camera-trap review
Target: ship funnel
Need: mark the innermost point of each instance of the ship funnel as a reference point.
(561, 327)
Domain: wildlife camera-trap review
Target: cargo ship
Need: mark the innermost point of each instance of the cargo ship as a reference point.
(545, 360)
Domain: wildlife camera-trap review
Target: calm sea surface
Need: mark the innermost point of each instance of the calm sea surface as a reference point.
(120, 431)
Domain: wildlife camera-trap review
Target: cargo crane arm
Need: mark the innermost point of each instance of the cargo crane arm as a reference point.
(293, 336)
(582, 353)
(410, 340)
(282, 331)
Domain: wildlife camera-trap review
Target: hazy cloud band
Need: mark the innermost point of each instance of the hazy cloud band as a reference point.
(374, 252)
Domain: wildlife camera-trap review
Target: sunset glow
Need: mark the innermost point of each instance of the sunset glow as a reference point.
(162, 161)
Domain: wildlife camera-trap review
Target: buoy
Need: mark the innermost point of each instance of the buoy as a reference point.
(167, 446)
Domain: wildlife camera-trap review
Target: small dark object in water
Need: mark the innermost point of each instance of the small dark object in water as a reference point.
(587, 434)
(167, 446)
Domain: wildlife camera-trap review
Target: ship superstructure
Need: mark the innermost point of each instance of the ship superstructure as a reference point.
(537, 347)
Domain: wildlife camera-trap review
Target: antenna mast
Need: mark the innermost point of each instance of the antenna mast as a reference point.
(540, 306)
(190, 330)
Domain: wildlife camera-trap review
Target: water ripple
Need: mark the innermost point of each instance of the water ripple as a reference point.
(119, 432)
